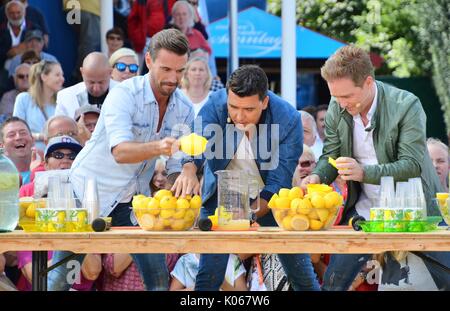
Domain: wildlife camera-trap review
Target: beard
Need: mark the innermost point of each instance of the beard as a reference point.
(16, 22)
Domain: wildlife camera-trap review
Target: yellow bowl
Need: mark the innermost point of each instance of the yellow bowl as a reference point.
(166, 219)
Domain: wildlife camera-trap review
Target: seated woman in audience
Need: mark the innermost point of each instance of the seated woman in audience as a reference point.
(112, 272)
(196, 82)
(38, 104)
(124, 62)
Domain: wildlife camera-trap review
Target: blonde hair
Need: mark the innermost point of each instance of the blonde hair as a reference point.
(185, 81)
(348, 62)
(36, 89)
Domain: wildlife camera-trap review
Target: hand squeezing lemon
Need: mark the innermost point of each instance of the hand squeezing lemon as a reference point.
(193, 144)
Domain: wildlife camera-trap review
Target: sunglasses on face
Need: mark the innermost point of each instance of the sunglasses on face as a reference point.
(60, 155)
(305, 164)
(21, 76)
(133, 68)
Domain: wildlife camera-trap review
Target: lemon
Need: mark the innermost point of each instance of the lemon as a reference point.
(295, 192)
(317, 201)
(272, 201)
(177, 224)
(187, 197)
(292, 212)
(189, 215)
(159, 225)
(25, 202)
(300, 223)
(283, 202)
(332, 162)
(214, 220)
(183, 204)
(315, 224)
(136, 199)
(168, 202)
(179, 213)
(147, 221)
(332, 199)
(193, 144)
(318, 188)
(286, 223)
(153, 206)
(322, 213)
(442, 198)
(304, 207)
(284, 193)
(278, 215)
(162, 193)
(31, 211)
(188, 224)
(295, 203)
(167, 222)
(313, 215)
(167, 213)
(196, 201)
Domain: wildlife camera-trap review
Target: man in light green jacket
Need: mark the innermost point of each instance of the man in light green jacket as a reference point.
(372, 130)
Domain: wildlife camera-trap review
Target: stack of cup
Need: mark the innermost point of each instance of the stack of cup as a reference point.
(385, 202)
(91, 199)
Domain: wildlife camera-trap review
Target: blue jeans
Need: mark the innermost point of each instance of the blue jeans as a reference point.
(152, 267)
(298, 267)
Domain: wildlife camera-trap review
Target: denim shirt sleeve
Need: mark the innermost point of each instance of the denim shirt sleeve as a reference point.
(207, 116)
(175, 163)
(118, 114)
(289, 151)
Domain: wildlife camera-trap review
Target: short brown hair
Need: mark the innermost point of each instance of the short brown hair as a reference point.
(12, 120)
(348, 62)
(172, 40)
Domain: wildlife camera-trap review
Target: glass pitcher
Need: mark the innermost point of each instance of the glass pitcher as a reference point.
(235, 189)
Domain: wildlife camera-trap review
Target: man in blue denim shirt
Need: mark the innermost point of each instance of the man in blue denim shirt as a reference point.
(257, 132)
(137, 123)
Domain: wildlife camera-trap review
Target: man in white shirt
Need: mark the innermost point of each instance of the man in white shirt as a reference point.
(96, 73)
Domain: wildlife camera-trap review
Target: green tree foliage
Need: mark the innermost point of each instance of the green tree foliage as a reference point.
(386, 27)
(434, 31)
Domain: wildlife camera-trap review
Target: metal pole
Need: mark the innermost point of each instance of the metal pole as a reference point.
(106, 21)
(233, 56)
(288, 53)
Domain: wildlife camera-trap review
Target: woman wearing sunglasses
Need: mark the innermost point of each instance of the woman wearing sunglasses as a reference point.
(125, 64)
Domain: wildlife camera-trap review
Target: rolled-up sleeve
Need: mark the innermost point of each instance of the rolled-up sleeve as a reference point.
(117, 111)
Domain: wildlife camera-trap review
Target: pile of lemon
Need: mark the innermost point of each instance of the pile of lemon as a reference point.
(316, 210)
(166, 212)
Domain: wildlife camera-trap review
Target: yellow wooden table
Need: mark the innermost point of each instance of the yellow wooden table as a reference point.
(265, 240)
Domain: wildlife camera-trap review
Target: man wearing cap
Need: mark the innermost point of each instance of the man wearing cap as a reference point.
(96, 84)
(59, 155)
(34, 40)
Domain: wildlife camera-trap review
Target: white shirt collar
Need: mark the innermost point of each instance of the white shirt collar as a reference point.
(372, 109)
